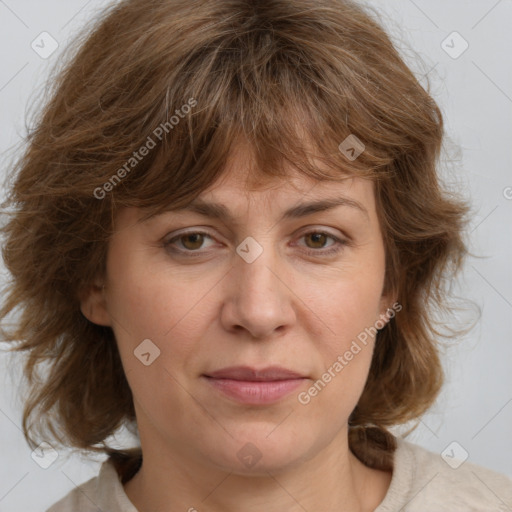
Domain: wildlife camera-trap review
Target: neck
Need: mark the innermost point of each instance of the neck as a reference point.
(333, 480)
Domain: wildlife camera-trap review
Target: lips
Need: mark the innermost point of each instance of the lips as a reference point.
(250, 386)
(246, 373)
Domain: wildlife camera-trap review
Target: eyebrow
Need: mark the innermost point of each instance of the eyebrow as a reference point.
(219, 211)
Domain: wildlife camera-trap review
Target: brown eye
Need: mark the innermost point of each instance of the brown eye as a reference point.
(315, 244)
(318, 239)
(192, 241)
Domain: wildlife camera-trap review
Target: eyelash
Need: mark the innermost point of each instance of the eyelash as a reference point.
(339, 245)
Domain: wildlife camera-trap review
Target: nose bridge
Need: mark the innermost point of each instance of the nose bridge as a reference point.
(257, 299)
(253, 262)
(252, 266)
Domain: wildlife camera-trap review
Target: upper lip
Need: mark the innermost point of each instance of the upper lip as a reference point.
(270, 373)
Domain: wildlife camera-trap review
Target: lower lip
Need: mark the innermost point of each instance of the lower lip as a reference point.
(254, 393)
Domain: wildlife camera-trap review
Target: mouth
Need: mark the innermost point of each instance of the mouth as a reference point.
(255, 387)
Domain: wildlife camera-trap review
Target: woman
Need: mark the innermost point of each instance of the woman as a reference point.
(228, 234)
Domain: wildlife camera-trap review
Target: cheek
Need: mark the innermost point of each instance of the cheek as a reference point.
(172, 311)
(352, 305)
(349, 312)
(149, 303)
(345, 348)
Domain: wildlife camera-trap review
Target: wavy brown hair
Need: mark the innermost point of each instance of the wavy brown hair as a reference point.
(277, 74)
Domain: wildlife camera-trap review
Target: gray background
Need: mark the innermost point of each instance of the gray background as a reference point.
(475, 94)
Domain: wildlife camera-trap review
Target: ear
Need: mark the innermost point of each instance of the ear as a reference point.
(94, 306)
(389, 307)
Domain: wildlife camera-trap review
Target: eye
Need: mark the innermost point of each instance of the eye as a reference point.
(318, 239)
(190, 242)
(317, 243)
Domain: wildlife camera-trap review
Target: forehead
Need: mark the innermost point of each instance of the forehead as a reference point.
(249, 186)
(242, 184)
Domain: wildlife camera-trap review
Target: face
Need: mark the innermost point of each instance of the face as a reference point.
(200, 304)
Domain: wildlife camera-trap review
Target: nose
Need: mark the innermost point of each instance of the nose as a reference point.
(258, 298)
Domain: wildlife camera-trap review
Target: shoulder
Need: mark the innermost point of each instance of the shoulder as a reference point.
(423, 481)
(103, 492)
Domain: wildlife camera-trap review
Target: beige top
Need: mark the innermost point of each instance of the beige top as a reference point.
(422, 482)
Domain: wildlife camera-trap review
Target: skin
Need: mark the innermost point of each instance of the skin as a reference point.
(287, 308)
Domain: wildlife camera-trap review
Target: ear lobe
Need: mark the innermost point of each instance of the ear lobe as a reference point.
(93, 305)
(387, 308)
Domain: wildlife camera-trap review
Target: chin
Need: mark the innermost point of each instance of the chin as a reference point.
(261, 451)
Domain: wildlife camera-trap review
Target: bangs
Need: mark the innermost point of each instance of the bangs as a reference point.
(291, 102)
